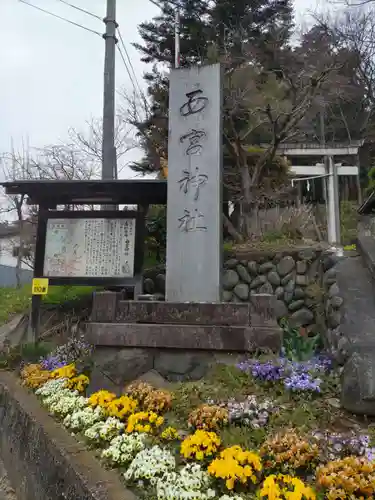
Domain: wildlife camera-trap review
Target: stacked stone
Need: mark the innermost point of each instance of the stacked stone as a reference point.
(286, 276)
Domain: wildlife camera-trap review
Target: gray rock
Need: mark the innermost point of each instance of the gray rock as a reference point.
(277, 258)
(343, 350)
(160, 283)
(273, 278)
(329, 277)
(288, 297)
(336, 301)
(290, 286)
(119, 367)
(333, 290)
(155, 379)
(227, 296)
(180, 366)
(299, 293)
(301, 267)
(329, 261)
(313, 329)
(243, 262)
(302, 317)
(231, 264)
(230, 279)
(258, 281)
(266, 288)
(286, 265)
(295, 305)
(242, 291)
(313, 270)
(358, 382)
(148, 285)
(252, 267)
(307, 254)
(334, 319)
(302, 280)
(243, 273)
(288, 277)
(266, 267)
(279, 292)
(281, 310)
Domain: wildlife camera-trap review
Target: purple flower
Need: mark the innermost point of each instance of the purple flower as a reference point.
(73, 350)
(302, 382)
(267, 372)
(51, 363)
(296, 375)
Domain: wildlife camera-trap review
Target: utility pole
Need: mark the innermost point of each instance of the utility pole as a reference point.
(109, 170)
(177, 24)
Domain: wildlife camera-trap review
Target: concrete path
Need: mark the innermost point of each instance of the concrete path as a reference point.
(358, 291)
(6, 492)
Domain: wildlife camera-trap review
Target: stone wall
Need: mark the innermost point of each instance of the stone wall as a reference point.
(42, 459)
(302, 279)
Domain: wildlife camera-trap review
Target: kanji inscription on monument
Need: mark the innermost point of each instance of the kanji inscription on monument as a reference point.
(90, 248)
(194, 211)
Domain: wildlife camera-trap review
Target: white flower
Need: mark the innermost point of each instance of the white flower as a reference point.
(228, 497)
(51, 387)
(104, 431)
(83, 419)
(150, 465)
(67, 404)
(191, 482)
(124, 448)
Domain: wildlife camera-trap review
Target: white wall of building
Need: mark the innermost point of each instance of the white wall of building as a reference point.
(6, 252)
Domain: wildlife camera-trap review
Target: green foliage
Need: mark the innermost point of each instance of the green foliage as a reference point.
(13, 301)
(59, 295)
(12, 357)
(349, 221)
(297, 344)
(371, 180)
(156, 239)
(17, 300)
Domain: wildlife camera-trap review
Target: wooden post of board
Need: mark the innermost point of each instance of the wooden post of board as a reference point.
(36, 299)
(140, 234)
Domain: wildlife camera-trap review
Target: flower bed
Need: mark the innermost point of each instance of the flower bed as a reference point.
(132, 432)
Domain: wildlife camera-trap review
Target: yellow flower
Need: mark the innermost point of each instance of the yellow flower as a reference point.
(169, 434)
(285, 487)
(201, 442)
(143, 422)
(288, 451)
(236, 465)
(67, 371)
(101, 398)
(34, 376)
(121, 407)
(352, 476)
(78, 383)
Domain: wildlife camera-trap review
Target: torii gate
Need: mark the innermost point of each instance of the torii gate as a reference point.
(328, 170)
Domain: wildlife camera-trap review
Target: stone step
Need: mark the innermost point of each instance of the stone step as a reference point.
(108, 307)
(177, 336)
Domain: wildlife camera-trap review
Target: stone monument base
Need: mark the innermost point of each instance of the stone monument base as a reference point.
(241, 327)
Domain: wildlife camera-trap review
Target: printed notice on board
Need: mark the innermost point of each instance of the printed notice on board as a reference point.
(90, 248)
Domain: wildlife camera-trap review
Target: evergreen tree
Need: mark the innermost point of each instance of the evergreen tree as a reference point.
(228, 27)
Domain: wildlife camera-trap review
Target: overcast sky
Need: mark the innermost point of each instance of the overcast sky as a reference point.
(51, 73)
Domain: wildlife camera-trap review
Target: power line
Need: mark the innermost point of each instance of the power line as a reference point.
(126, 67)
(60, 17)
(80, 9)
(130, 64)
(172, 2)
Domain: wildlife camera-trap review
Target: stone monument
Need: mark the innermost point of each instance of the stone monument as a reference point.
(194, 212)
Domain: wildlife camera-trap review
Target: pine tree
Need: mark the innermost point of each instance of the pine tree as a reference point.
(228, 26)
